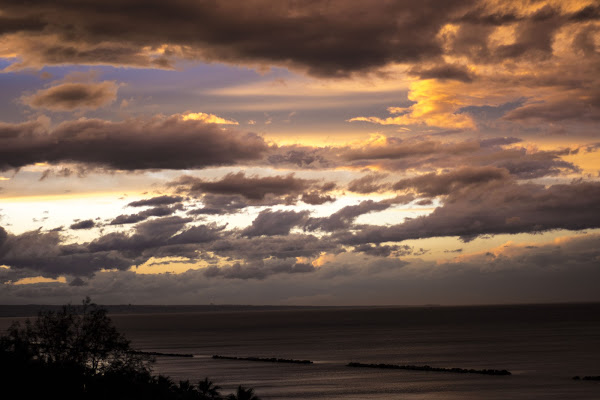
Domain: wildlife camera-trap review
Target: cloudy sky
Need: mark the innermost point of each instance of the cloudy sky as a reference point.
(299, 152)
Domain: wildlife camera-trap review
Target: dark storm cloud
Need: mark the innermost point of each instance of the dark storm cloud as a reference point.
(300, 156)
(368, 184)
(525, 164)
(592, 147)
(343, 218)
(172, 143)
(396, 148)
(78, 282)
(215, 204)
(86, 224)
(537, 168)
(424, 202)
(143, 215)
(499, 141)
(271, 223)
(534, 33)
(128, 219)
(395, 154)
(64, 172)
(262, 247)
(316, 198)
(452, 182)
(443, 72)
(398, 155)
(253, 188)
(169, 143)
(157, 201)
(147, 235)
(259, 270)
(197, 234)
(379, 250)
(583, 105)
(584, 40)
(496, 208)
(173, 236)
(3, 236)
(333, 38)
(487, 113)
(43, 253)
(13, 275)
(588, 13)
(401, 199)
(14, 132)
(556, 48)
(47, 255)
(71, 96)
(565, 271)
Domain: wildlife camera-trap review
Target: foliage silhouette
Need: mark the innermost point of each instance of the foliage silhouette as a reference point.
(82, 338)
(243, 394)
(209, 390)
(77, 353)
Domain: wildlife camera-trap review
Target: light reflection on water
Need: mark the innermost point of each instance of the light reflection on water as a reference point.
(543, 346)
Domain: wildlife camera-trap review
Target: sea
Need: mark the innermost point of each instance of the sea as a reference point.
(543, 346)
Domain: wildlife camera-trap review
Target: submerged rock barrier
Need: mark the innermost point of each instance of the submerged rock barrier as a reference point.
(587, 378)
(155, 353)
(275, 360)
(432, 369)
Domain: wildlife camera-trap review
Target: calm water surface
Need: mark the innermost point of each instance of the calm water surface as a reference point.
(543, 347)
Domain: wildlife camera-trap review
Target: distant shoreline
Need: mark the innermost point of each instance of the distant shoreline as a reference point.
(31, 310)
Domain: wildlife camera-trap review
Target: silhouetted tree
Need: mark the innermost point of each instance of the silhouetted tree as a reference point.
(187, 391)
(77, 337)
(243, 394)
(208, 390)
(77, 354)
(164, 387)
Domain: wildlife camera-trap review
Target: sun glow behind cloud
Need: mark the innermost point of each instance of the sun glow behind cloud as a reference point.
(208, 118)
(39, 279)
(435, 105)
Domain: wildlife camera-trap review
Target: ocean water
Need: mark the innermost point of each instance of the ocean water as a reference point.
(543, 346)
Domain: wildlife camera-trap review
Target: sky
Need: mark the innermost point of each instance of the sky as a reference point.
(394, 152)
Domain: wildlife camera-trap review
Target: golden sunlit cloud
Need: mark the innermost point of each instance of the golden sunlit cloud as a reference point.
(517, 246)
(208, 118)
(39, 279)
(166, 265)
(527, 8)
(323, 259)
(435, 105)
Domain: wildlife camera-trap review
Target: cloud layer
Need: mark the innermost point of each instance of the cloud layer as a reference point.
(558, 271)
(73, 95)
(485, 112)
(161, 142)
